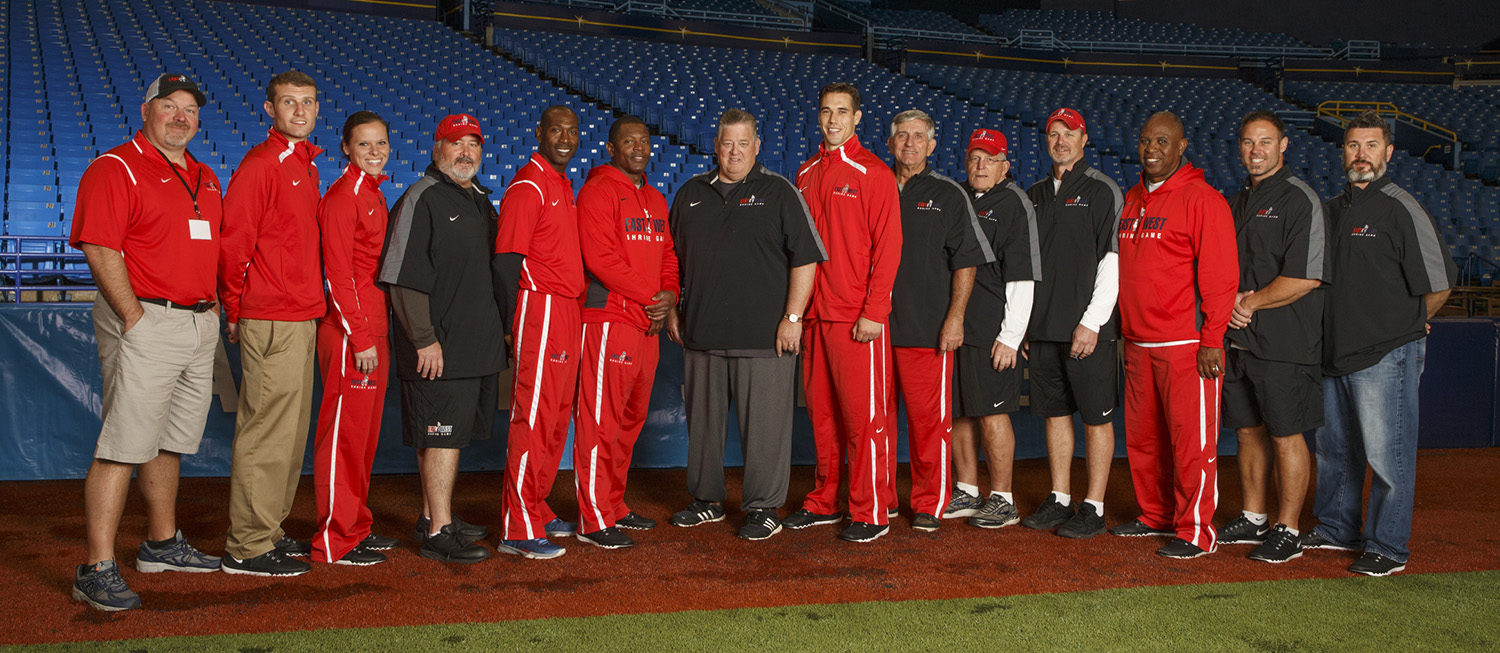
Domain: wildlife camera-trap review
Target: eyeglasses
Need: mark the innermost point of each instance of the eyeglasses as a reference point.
(981, 160)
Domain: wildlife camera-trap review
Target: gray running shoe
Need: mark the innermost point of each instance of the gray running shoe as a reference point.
(996, 513)
(962, 504)
(102, 587)
(177, 556)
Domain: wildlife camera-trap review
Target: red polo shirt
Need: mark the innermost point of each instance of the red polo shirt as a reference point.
(539, 220)
(134, 201)
(627, 247)
(271, 265)
(353, 220)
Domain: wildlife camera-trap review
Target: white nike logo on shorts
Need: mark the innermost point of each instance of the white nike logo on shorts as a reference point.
(1107, 412)
(997, 405)
(696, 203)
(451, 218)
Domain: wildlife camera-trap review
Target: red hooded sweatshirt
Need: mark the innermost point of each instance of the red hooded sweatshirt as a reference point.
(1179, 265)
(854, 203)
(627, 248)
(270, 259)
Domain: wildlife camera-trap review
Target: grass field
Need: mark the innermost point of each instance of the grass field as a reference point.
(1414, 612)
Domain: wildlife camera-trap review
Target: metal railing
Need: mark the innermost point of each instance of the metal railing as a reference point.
(33, 266)
(1340, 110)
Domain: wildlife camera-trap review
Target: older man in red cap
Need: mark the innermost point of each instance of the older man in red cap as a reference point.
(448, 353)
(988, 384)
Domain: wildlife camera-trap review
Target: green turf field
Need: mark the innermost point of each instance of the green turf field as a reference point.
(1421, 612)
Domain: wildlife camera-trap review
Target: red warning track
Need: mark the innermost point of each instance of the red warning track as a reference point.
(670, 569)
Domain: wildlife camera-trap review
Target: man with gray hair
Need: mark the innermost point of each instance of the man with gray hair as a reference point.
(741, 232)
(1392, 273)
(943, 245)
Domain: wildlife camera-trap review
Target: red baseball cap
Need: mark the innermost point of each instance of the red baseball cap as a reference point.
(1069, 117)
(989, 140)
(458, 126)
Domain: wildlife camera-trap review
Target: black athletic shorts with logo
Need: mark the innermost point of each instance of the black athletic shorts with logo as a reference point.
(1062, 385)
(1286, 397)
(448, 413)
(979, 389)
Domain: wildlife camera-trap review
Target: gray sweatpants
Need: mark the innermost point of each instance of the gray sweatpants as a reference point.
(765, 393)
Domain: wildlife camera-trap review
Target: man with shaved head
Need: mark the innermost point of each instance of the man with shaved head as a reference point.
(1179, 270)
(539, 279)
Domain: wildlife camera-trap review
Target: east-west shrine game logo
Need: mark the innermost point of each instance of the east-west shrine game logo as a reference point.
(846, 191)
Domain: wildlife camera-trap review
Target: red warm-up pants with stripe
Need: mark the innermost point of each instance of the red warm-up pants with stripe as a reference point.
(848, 388)
(1172, 439)
(344, 448)
(614, 392)
(925, 379)
(547, 341)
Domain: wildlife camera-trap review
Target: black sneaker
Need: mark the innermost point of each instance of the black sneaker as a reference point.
(1315, 540)
(1243, 531)
(635, 522)
(925, 523)
(804, 518)
(1049, 515)
(360, 556)
(1138, 528)
(892, 513)
(759, 525)
(1374, 564)
(375, 542)
(102, 586)
(449, 546)
(862, 532)
(1084, 524)
(697, 514)
(1181, 549)
(468, 533)
(607, 538)
(996, 513)
(270, 563)
(1280, 546)
(962, 504)
(292, 547)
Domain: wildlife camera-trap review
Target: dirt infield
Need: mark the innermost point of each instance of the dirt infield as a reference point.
(670, 569)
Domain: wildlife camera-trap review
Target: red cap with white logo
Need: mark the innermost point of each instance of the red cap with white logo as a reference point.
(458, 126)
(989, 140)
(1069, 117)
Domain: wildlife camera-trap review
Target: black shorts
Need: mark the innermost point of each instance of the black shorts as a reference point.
(979, 389)
(448, 413)
(1062, 385)
(1286, 397)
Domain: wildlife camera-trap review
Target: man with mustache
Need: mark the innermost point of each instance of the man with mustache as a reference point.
(147, 220)
(1391, 274)
(1178, 275)
(271, 284)
(449, 353)
(539, 282)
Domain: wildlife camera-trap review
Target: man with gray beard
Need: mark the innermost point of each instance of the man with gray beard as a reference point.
(449, 353)
(1391, 274)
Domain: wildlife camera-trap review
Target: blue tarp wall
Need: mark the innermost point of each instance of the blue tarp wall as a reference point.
(50, 400)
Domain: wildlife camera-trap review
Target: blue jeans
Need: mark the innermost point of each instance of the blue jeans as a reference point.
(1371, 417)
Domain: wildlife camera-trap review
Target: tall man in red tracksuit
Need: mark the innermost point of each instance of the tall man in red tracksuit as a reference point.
(539, 285)
(1179, 271)
(847, 359)
(632, 276)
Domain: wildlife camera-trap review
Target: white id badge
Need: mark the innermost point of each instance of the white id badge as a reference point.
(200, 230)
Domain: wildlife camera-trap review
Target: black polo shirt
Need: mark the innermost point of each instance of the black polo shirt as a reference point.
(1009, 223)
(1077, 224)
(736, 244)
(939, 234)
(1386, 256)
(1282, 232)
(439, 242)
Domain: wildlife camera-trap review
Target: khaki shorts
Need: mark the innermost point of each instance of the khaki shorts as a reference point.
(158, 380)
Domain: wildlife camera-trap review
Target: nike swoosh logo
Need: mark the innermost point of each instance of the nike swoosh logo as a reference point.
(696, 203)
(372, 212)
(165, 179)
(1107, 412)
(997, 405)
(1213, 459)
(554, 202)
(296, 182)
(880, 430)
(451, 218)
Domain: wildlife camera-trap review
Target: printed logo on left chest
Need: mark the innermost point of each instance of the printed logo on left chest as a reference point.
(930, 205)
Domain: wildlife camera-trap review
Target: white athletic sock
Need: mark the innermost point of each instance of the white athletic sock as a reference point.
(1005, 495)
(1098, 506)
(969, 488)
(1064, 499)
(1257, 518)
(1293, 531)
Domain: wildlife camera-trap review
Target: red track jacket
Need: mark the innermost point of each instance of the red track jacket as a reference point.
(353, 219)
(857, 210)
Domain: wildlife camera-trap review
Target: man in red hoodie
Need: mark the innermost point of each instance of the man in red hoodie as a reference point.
(271, 285)
(632, 285)
(852, 196)
(1179, 271)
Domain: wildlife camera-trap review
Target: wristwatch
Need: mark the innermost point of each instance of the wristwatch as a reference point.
(792, 317)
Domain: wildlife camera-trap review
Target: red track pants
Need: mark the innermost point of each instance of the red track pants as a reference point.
(344, 448)
(547, 343)
(1172, 439)
(848, 385)
(614, 391)
(925, 377)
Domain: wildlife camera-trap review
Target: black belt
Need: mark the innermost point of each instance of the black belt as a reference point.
(199, 307)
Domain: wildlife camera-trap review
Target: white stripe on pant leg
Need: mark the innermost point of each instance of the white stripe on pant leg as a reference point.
(525, 301)
(872, 380)
(525, 507)
(333, 458)
(541, 363)
(943, 390)
(593, 482)
(599, 375)
(943, 478)
(1197, 502)
(877, 505)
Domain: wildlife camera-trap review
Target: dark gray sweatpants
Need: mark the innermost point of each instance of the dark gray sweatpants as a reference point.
(765, 393)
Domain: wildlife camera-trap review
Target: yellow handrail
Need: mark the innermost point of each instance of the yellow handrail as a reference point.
(1337, 109)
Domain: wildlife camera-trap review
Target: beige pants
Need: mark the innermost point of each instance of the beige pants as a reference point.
(270, 431)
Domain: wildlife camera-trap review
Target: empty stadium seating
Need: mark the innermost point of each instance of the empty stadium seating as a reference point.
(1104, 26)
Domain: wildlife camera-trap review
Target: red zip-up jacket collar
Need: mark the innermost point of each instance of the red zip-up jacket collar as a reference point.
(304, 150)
